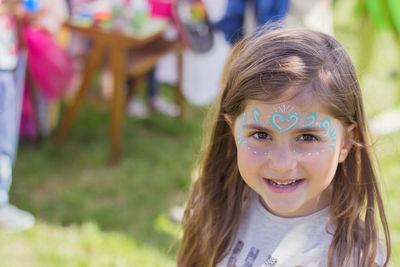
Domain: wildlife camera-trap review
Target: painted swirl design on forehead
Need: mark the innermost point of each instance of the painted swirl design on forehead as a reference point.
(326, 124)
(284, 119)
(256, 115)
(242, 140)
(311, 118)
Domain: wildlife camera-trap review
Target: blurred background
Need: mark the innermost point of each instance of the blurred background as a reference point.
(100, 200)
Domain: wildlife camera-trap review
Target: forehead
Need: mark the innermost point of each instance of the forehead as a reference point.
(300, 105)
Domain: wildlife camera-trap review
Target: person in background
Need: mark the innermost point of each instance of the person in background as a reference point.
(53, 14)
(49, 20)
(155, 101)
(239, 14)
(12, 75)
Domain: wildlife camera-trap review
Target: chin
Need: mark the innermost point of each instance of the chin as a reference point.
(283, 208)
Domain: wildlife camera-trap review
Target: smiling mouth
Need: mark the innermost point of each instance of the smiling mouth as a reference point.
(284, 183)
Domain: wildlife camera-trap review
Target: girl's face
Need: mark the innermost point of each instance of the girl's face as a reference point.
(289, 152)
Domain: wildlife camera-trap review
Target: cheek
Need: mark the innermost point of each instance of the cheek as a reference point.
(322, 167)
(251, 154)
(249, 159)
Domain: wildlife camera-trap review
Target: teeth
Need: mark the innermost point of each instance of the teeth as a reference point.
(286, 183)
(292, 181)
(283, 184)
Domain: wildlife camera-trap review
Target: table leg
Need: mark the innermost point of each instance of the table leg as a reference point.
(92, 64)
(118, 69)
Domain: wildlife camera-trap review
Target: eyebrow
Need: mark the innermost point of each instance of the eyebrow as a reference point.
(300, 129)
(256, 127)
(310, 129)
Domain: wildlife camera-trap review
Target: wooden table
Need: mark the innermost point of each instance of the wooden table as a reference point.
(117, 44)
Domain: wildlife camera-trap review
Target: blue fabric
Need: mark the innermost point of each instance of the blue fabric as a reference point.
(270, 11)
(152, 84)
(11, 92)
(266, 11)
(231, 23)
(7, 112)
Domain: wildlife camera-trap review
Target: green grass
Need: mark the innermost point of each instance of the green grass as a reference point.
(91, 214)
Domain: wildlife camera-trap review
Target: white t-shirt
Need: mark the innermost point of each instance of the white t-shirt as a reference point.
(267, 240)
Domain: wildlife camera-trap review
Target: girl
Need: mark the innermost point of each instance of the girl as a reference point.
(287, 179)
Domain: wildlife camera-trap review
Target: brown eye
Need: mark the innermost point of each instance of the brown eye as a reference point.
(308, 138)
(262, 136)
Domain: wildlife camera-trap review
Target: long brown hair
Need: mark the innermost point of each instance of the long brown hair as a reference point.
(270, 66)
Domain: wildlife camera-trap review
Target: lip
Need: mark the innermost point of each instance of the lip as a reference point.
(283, 189)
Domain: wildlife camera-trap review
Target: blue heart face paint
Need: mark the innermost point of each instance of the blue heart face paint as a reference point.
(296, 145)
(292, 118)
(286, 119)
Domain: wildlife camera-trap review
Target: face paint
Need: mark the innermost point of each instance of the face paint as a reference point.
(277, 118)
(310, 118)
(284, 108)
(332, 140)
(256, 115)
(278, 153)
(305, 144)
(292, 118)
(326, 125)
(241, 138)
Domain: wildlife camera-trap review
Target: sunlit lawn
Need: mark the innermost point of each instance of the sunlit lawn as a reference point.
(91, 214)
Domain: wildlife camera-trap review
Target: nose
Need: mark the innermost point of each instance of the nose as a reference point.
(282, 158)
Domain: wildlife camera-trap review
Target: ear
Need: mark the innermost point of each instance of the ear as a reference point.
(349, 135)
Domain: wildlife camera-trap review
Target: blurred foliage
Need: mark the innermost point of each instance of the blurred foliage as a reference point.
(383, 13)
(376, 17)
